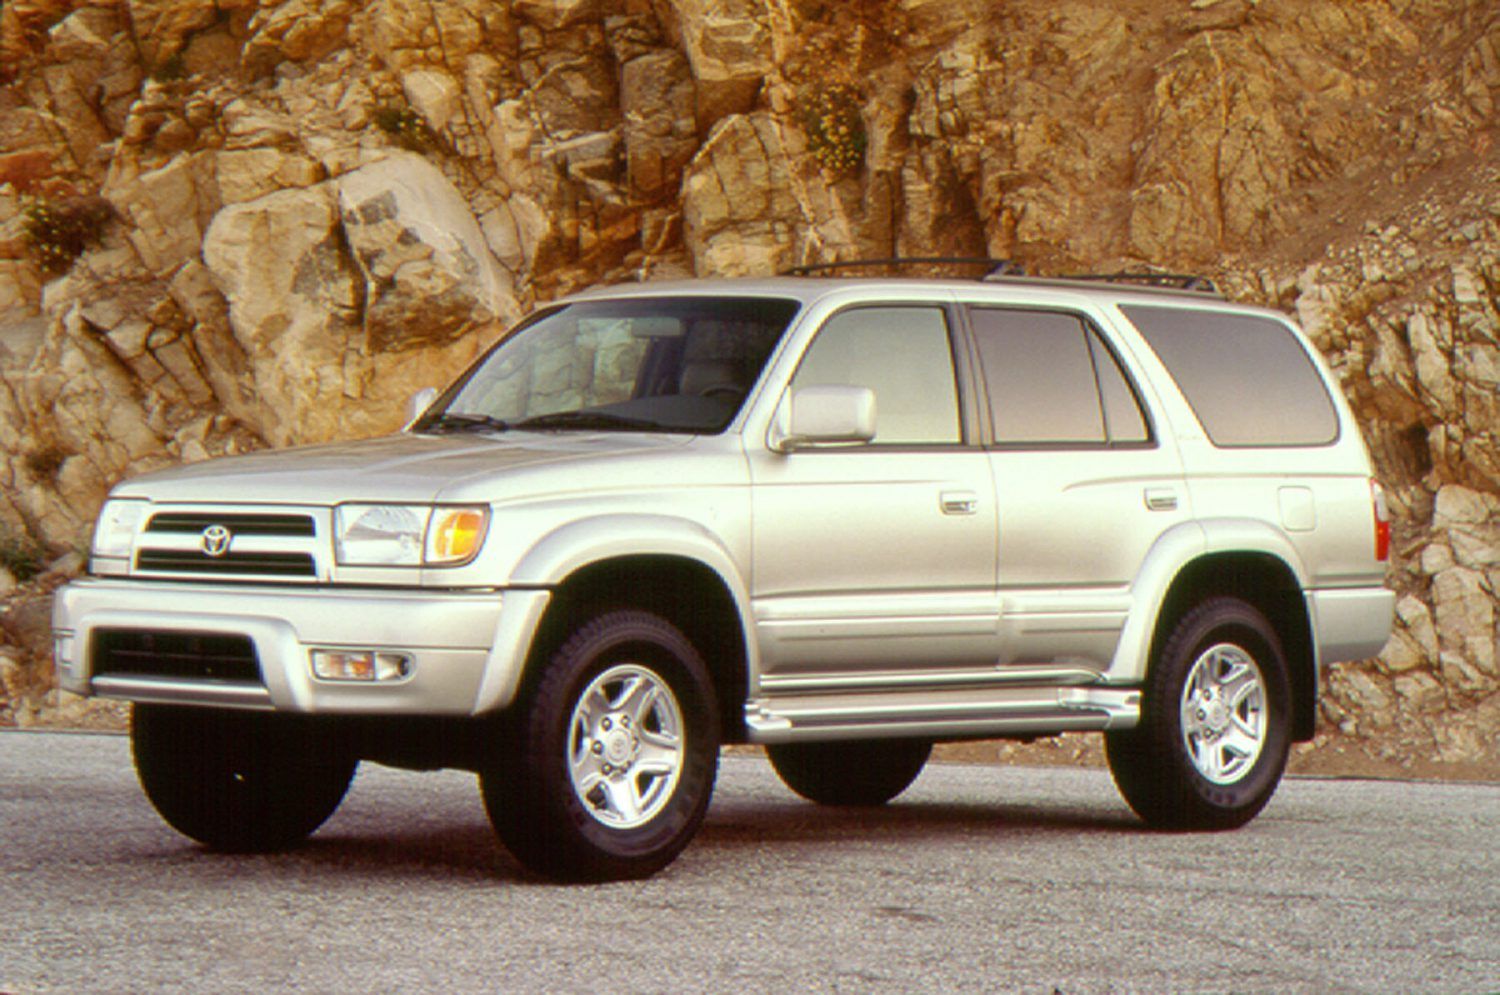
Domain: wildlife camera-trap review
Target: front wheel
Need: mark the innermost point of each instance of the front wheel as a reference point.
(854, 772)
(1214, 732)
(610, 761)
(241, 782)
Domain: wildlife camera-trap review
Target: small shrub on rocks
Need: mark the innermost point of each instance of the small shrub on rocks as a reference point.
(406, 128)
(835, 128)
(21, 556)
(60, 230)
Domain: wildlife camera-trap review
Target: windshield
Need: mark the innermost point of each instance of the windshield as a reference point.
(665, 364)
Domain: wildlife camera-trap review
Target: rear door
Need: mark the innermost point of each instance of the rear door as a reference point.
(1083, 482)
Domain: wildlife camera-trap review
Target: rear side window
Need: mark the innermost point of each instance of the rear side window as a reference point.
(1051, 381)
(1248, 379)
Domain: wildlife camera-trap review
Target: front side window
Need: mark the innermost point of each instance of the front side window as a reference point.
(1247, 378)
(668, 364)
(902, 354)
(1052, 381)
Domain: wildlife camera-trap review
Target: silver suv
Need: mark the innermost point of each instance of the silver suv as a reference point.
(841, 518)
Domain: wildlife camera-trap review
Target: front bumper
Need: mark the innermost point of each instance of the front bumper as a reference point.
(466, 647)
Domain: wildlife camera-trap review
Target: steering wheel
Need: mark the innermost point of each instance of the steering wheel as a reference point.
(727, 391)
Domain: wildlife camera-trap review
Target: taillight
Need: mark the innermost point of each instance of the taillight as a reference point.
(1382, 521)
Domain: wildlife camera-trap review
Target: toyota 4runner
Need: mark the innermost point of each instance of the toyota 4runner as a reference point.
(840, 518)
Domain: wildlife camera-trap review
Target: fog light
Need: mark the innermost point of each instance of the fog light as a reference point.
(360, 665)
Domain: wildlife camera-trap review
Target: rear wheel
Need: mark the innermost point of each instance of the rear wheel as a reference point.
(863, 772)
(1214, 732)
(237, 781)
(611, 760)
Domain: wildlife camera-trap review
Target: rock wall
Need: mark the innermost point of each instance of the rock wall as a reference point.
(227, 224)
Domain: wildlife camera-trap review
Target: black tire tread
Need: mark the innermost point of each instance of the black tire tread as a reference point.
(527, 791)
(1149, 763)
(238, 782)
(850, 772)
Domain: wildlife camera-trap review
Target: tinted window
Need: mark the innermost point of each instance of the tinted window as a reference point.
(670, 364)
(1040, 376)
(1122, 410)
(1249, 380)
(903, 355)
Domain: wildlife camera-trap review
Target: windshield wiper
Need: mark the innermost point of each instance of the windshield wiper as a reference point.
(463, 421)
(588, 420)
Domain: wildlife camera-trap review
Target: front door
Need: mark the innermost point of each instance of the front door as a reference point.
(876, 560)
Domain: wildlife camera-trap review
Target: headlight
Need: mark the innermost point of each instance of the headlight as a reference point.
(114, 533)
(400, 534)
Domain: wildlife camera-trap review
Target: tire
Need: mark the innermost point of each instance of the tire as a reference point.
(868, 772)
(610, 760)
(1215, 723)
(240, 782)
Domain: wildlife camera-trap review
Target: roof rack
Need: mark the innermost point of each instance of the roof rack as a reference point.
(1165, 281)
(996, 267)
(1006, 269)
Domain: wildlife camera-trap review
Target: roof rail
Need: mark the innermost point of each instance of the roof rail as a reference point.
(995, 267)
(1166, 281)
(1006, 269)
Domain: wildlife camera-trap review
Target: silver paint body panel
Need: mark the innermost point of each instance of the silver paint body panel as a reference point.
(936, 591)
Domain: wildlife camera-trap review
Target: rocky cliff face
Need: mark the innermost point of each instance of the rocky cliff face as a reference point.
(227, 224)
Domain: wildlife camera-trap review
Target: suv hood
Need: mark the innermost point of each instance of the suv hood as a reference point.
(395, 469)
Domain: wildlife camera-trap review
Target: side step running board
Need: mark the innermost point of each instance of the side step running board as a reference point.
(941, 714)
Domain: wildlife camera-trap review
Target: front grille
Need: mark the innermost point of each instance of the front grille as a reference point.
(193, 562)
(240, 523)
(250, 542)
(196, 655)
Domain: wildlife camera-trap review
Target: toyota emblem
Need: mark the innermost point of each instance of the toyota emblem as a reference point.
(216, 539)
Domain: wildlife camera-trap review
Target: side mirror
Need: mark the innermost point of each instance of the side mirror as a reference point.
(824, 415)
(419, 403)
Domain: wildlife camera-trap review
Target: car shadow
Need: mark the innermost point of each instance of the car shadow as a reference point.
(804, 822)
(465, 848)
(471, 851)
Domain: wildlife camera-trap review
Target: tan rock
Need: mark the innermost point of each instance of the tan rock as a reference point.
(297, 30)
(1458, 505)
(739, 209)
(728, 43)
(1464, 612)
(1417, 620)
(167, 207)
(245, 174)
(292, 304)
(428, 271)
(657, 97)
(1421, 692)
(161, 26)
(404, 32)
(555, 14)
(1432, 364)
(433, 94)
(1402, 653)
(1368, 696)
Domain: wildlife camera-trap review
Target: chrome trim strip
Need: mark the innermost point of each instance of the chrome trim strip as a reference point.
(173, 692)
(1007, 674)
(941, 714)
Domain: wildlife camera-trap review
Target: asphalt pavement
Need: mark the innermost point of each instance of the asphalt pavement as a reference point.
(979, 878)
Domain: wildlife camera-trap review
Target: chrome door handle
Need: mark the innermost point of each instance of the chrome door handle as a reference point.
(959, 502)
(1161, 499)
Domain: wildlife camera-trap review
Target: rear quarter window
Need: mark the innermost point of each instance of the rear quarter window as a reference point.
(1248, 378)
